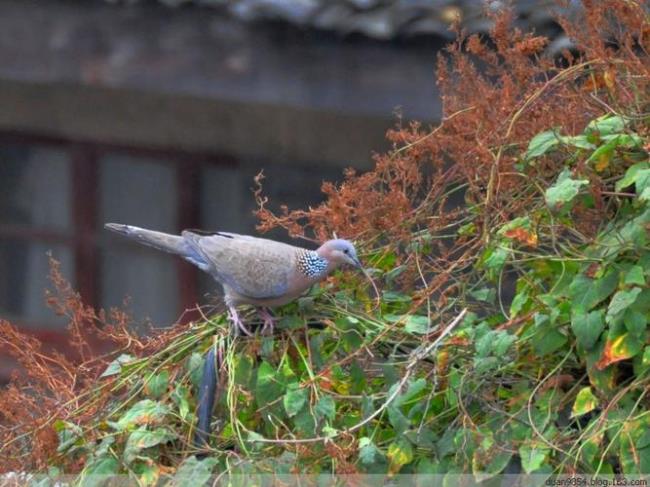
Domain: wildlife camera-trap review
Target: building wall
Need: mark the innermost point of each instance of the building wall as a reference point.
(162, 118)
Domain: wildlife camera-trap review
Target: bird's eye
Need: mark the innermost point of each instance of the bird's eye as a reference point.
(346, 251)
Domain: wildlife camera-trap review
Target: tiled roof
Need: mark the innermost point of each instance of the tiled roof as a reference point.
(388, 19)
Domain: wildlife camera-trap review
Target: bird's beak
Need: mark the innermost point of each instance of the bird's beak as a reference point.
(357, 263)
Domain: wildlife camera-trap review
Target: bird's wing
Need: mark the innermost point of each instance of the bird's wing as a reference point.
(253, 267)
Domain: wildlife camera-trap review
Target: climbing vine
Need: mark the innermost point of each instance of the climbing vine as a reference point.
(507, 332)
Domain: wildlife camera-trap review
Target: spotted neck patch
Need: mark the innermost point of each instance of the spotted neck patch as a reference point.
(311, 264)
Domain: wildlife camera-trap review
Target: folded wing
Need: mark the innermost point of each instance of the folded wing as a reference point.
(253, 267)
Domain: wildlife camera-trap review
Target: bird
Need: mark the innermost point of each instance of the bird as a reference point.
(253, 271)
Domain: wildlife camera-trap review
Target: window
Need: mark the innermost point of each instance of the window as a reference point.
(55, 196)
(35, 217)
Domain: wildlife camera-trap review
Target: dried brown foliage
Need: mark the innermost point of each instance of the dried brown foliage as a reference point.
(49, 385)
(497, 93)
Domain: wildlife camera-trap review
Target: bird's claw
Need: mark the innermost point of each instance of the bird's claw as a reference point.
(236, 321)
(269, 322)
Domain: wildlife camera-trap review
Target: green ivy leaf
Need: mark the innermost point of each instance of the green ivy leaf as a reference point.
(578, 141)
(635, 276)
(532, 457)
(644, 440)
(605, 151)
(269, 386)
(631, 176)
(606, 125)
(417, 325)
(368, 452)
(157, 384)
(518, 303)
(325, 408)
(484, 294)
(98, 471)
(548, 340)
(587, 327)
(495, 342)
(141, 413)
(586, 293)
(621, 301)
(541, 144)
(195, 472)
(180, 396)
(633, 233)
(398, 421)
(635, 322)
(115, 367)
(496, 463)
(69, 434)
(291, 322)
(194, 367)
(564, 190)
(104, 447)
(496, 259)
(414, 388)
(142, 438)
(642, 181)
(295, 399)
(395, 297)
(330, 432)
(148, 473)
(254, 437)
(414, 324)
(584, 403)
(645, 195)
(634, 458)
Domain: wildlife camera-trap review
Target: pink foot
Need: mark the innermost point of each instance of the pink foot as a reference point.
(234, 318)
(269, 321)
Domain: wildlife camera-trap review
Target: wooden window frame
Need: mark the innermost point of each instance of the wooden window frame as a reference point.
(85, 157)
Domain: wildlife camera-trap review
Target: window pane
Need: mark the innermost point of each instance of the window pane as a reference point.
(35, 185)
(141, 192)
(138, 191)
(148, 278)
(24, 269)
(222, 193)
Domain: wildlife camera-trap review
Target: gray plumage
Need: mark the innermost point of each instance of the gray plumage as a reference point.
(255, 271)
(252, 270)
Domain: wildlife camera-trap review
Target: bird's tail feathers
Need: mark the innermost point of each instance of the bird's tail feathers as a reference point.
(173, 244)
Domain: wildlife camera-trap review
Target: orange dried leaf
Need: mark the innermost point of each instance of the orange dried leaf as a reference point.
(620, 348)
(522, 235)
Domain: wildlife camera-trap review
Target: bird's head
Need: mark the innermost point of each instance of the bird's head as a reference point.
(339, 252)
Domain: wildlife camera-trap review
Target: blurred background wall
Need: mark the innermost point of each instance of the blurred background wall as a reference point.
(156, 116)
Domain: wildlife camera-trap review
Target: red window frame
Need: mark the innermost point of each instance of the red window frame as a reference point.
(85, 157)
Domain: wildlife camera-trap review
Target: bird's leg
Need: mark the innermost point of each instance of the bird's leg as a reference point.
(236, 321)
(269, 321)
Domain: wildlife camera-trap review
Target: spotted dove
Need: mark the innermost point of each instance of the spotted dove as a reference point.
(256, 271)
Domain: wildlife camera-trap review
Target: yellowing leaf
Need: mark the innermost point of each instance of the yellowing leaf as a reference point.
(522, 235)
(142, 413)
(619, 348)
(400, 453)
(603, 162)
(609, 77)
(585, 402)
